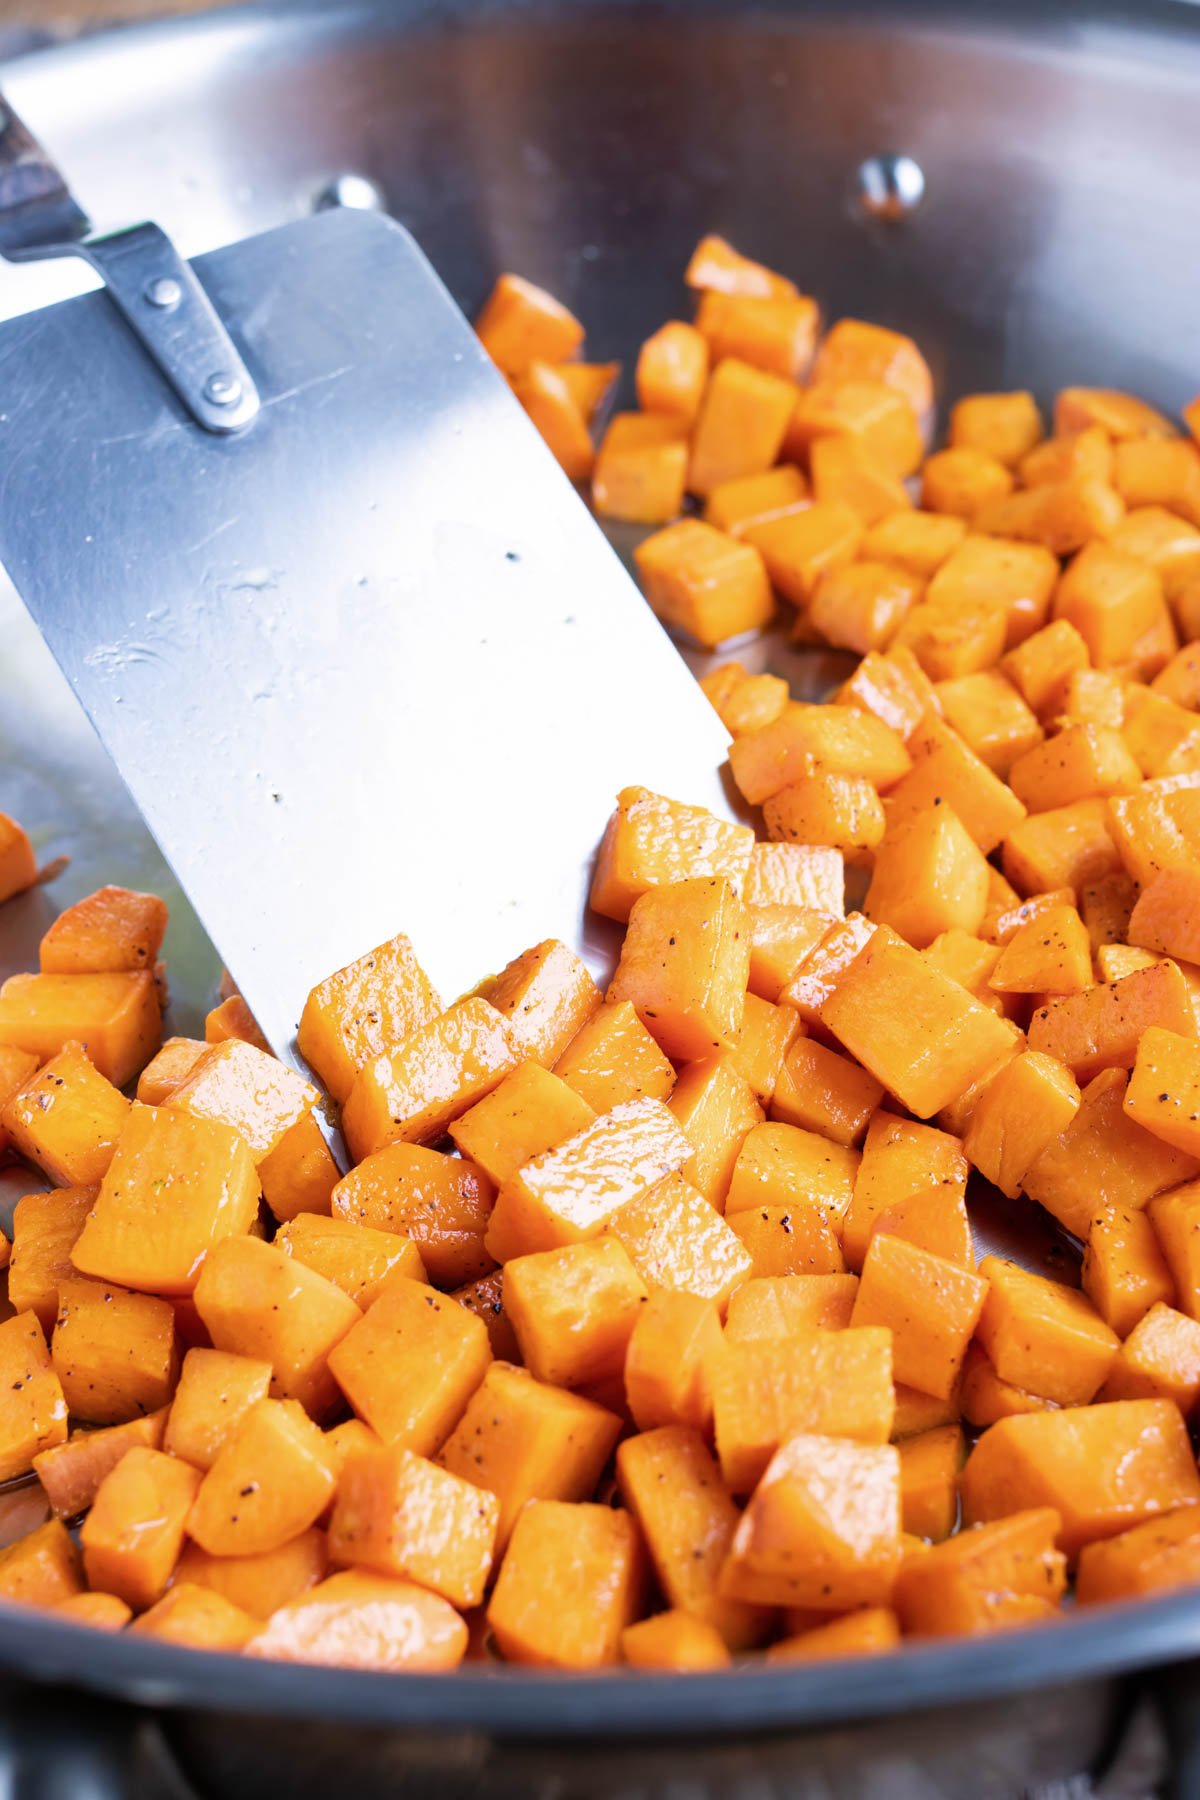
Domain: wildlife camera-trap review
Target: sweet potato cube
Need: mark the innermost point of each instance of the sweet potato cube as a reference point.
(640, 471)
(961, 479)
(356, 1258)
(1159, 1360)
(821, 1529)
(1164, 1088)
(233, 1019)
(950, 641)
(1122, 416)
(947, 771)
(839, 738)
(441, 1203)
(262, 1583)
(833, 1383)
(355, 1620)
(257, 1301)
(818, 973)
(1124, 1272)
(672, 370)
(861, 605)
(935, 1220)
(42, 1568)
(112, 929)
(546, 994)
(998, 575)
(932, 1307)
(520, 323)
(411, 1363)
(867, 1631)
(1043, 1336)
(1163, 737)
(1150, 473)
(973, 1583)
(717, 267)
(876, 417)
(704, 583)
(763, 1042)
(133, 1534)
(889, 692)
(715, 1107)
(67, 1118)
(825, 1093)
(352, 1016)
(1042, 662)
(1006, 426)
(1103, 1151)
(102, 1612)
(1111, 598)
(18, 865)
(841, 811)
(116, 1017)
(571, 1582)
(674, 1640)
(929, 1465)
(239, 1085)
(797, 1239)
(780, 1164)
(1167, 915)
(573, 1310)
(71, 1472)
(176, 1187)
(414, 1092)
(521, 1440)
(1180, 679)
(166, 1070)
(33, 1411)
(685, 964)
(215, 1392)
(198, 1618)
(1025, 1107)
(401, 1515)
(114, 1352)
(1101, 1027)
(674, 1345)
(776, 332)
(741, 424)
(920, 1034)
(919, 542)
(45, 1228)
(16, 1066)
(1080, 762)
(613, 1059)
(651, 843)
(853, 349)
(929, 876)
(676, 1240)
(546, 397)
(744, 702)
(984, 1397)
(990, 715)
(1103, 1468)
(572, 1192)
(799, 548)
(748, 500)
(1063, 515)
(777, 1306)
(299, 1175)
(485, 1298)
(673, 1488)
(272, 1479)
(1063, 847)
(847, 469)
(807, 875)
(1160, 1555)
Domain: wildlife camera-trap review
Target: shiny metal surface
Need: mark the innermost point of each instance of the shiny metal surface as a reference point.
(368, 667)
(147, 280)
(588, 145)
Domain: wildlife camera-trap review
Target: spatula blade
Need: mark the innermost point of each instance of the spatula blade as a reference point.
(368, 667)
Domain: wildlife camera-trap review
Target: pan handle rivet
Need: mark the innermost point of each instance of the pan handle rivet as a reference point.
(889, 186)
(223, 390)
(164, 292)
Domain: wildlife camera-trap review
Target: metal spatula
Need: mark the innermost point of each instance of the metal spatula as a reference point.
(356, 647)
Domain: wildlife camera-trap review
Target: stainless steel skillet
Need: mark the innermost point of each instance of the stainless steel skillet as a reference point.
(589, 144)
